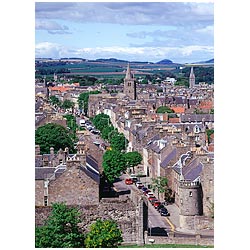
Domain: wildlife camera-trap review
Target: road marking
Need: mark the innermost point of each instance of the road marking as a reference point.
(170, 223)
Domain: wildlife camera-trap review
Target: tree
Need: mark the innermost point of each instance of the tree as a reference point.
(67, 104)
(101, 121)
(118, 141)
(53, 135)
(103, 234)
(107, 132)
(160, 184)
(61, 229)
(113, 164)
(164, 109)
(55, 100)
(133, 159)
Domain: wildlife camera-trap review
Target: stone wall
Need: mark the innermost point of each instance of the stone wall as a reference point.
(196, 223)
(39, 192)
(173, 239)
(122, 211)
(207, 182)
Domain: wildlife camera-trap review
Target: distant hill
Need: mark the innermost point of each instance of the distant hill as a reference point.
(208, 61)
(165, 61)
(110, 60)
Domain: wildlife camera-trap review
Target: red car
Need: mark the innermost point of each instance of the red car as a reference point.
(151, 198)
(157, 204)
(129, 181)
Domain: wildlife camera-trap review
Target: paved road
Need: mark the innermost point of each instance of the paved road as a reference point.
(158, 225)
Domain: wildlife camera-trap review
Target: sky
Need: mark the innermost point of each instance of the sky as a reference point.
(135, 31)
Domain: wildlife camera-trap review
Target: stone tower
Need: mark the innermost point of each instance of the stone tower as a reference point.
(129, 84)
(190, 203)
(191, 78)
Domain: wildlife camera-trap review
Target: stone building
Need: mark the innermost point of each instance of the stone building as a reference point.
(73, 179)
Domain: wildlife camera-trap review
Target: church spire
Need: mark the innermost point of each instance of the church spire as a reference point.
(128, 73)
(129, 88)
(191, 78)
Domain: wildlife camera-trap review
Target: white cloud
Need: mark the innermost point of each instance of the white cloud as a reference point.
(127, 53)
(52, 27)
(135, 13)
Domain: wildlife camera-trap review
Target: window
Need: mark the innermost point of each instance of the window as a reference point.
(190, 194)
(45, 201)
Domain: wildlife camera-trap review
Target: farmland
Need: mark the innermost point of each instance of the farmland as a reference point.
(100, 69)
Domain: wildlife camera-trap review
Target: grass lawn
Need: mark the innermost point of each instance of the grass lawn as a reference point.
(166, 246)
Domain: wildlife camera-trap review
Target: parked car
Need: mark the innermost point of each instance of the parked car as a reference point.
(160, 207)
(149, 194)
(139, 184)
(164, 212)
(95, 131)
(157, 204)
(134, 178)
(129, 181)
(144, 189)
(151, 198)
(147, 191)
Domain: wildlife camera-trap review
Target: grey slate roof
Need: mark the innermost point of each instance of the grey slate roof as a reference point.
(192, 170)
(42, 173)
(168, 158)
(197, 117)
(92, 162)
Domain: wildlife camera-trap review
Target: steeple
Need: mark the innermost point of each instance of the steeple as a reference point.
(191, 78)
(129, 84)
(129, 75)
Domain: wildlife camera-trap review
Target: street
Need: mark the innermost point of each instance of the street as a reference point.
(158, 225)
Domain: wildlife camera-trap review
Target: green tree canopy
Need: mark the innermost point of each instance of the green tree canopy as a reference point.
(118, 141)
(53, 135)
(101, 121)
(67, 104)
(133, 159)
(54, 100)
(160, 184)
(164, 109)
(113, 164)
(61, 229)
(103, 234)
(107, 132)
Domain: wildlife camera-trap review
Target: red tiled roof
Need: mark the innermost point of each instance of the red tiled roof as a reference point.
(59, 88)
(174, 120)
(178, 109)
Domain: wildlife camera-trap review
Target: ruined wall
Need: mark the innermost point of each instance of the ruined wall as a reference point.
(124, 212)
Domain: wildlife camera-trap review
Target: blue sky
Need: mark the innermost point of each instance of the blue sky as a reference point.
(146, 31)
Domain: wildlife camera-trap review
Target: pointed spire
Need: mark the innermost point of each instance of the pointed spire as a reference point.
(128, 73)
(192, 72)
